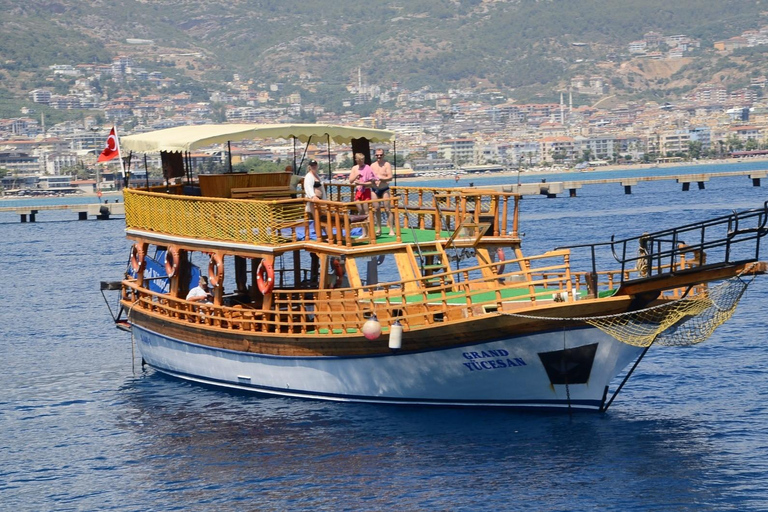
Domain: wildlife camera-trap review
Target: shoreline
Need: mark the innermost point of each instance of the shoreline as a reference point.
(602, 168)
(470, 176)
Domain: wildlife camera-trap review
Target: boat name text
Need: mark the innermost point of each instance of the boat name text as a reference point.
(491, 360)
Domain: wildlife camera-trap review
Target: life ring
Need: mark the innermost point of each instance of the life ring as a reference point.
(338, 270)
(138, 251)
(265, 277)
(500, 257)
(215, 269)
(171, 261)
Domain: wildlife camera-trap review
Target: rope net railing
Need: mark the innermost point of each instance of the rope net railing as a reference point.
(681, 322)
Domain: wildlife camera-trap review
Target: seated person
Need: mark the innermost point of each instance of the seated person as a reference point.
(200, 292)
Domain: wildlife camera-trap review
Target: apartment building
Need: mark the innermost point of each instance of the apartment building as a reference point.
(459, 151)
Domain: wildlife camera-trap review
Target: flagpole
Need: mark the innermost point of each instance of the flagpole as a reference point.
(119, 155)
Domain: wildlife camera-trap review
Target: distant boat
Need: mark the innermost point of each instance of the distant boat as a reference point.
(443, 310)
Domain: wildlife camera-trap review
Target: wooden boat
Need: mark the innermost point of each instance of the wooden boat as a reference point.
(446, 311)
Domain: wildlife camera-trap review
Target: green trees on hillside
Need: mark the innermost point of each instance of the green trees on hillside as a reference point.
(421, 42)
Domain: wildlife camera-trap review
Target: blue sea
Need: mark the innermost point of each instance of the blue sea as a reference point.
(84, 427)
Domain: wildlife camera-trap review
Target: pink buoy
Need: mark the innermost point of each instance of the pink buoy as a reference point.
(372, 328)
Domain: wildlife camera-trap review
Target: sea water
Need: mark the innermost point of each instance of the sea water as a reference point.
(84, 427)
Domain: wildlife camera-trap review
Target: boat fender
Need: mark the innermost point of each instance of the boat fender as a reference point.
(215, 269)
(265, 277)
(395, 335)
(372, 328)
(138, 252)
(500, 257)
(338, 270)
(171, 261)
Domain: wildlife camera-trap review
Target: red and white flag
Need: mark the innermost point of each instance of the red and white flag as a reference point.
(113, 148)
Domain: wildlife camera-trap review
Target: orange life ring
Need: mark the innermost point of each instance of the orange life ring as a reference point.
(171, 261)
(138, 251)
(338, 269)
(216, 269)
(500, 257)
(265, 277)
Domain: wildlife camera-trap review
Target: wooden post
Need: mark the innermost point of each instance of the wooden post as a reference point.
(516, 217)
(628, 189)
(686, 186)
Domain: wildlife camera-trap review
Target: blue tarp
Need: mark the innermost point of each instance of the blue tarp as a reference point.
(155, 276)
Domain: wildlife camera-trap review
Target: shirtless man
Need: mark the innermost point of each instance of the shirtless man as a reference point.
(383, 172)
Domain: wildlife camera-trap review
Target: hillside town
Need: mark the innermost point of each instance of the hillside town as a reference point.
(438, 132)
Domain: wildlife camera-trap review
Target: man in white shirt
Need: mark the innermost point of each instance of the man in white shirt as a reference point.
(200, 292)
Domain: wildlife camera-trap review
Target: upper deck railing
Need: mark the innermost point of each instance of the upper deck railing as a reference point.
(283, 221)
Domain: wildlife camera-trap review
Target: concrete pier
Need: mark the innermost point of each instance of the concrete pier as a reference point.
(757, 176)
(102, 211)
(551, 189)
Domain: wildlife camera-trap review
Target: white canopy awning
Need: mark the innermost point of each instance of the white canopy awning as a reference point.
(187, 138)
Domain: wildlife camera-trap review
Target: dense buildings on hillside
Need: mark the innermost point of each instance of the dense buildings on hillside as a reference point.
(436, 129)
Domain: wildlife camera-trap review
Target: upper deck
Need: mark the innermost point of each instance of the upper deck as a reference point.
(184, 215)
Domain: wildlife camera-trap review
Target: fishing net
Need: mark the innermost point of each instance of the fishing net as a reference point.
(680, 322)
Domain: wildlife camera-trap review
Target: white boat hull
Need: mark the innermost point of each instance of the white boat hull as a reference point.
(507, 372)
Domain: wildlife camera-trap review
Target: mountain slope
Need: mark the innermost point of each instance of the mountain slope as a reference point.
(505, 44)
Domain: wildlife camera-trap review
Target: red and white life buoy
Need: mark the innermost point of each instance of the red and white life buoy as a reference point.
(338, 270)
(138, 251)
(216, 269)
(500, 257)
(265, 277)
(171, 261)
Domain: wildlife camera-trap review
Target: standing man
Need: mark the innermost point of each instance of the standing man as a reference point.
(383, 174)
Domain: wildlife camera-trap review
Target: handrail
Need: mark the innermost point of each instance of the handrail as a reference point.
(388, 299)
(264, 221)
(711, 243)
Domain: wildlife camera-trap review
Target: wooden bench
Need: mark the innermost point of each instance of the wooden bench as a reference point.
(280, 192)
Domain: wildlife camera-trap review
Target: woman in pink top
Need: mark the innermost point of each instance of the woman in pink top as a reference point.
(362, 175)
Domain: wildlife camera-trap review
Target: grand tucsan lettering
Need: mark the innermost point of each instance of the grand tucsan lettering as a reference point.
(491, 360)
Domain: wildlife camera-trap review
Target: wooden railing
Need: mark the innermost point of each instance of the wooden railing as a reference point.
(460, 294)
(284, 221)
(335, 220)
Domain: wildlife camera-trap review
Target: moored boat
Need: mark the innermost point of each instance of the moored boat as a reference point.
(306, 300)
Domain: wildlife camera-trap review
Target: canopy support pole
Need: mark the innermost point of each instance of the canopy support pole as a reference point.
(189, 168)
(295, 169)
(229, 155)
(306, 148)
(126, 175)
(328, 135)
(394, 160)
(146, 171)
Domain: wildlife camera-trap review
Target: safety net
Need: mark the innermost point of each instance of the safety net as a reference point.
(685, 321)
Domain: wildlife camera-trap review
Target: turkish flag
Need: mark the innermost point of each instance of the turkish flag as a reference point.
(111, 150)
